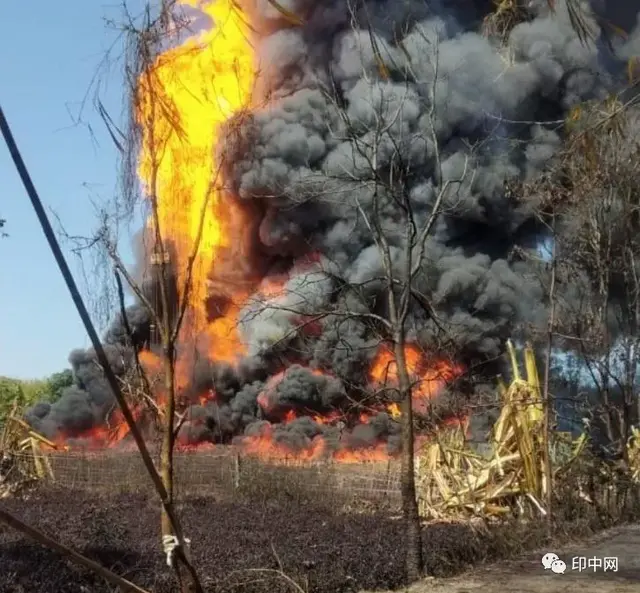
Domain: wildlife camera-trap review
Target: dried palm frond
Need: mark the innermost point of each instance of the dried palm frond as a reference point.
(453, 479)
(22, 454)
(633, 449)
(290, 17)
(504, 17)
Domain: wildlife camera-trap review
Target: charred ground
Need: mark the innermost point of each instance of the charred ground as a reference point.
(323, 550)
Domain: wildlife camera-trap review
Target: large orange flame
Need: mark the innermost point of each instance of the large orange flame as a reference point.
(183, 98)
(429, 377)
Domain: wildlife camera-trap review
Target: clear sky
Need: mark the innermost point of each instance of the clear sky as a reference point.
(50, 53)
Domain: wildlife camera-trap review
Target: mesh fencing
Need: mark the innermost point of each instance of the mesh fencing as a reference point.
(224, 471)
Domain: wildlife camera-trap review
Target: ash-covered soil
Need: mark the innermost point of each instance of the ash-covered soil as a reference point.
(527, 575)
(324, 551)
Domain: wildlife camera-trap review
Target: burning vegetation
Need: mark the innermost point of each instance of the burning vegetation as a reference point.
(315, 171)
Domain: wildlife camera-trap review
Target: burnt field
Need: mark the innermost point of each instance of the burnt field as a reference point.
(327, 527)
(238, 545)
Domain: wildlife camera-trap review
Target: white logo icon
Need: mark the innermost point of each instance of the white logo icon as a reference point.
(548, 560)
(558, 567)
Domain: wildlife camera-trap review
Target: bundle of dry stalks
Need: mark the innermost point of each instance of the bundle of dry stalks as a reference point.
(454, 480)
(504, 17)
(633, 449)
(22, 459)
(506, 14)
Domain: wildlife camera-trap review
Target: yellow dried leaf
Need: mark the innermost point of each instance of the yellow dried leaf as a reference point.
(290, 17)
(575, 113)
(515, 369)
(383, 70)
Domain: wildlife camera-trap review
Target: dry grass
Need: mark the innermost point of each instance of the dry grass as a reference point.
(505, 16)
(453, 480)
(22, 460)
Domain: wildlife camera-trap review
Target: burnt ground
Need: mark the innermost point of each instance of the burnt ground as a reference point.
(323, 550)
(526, 575)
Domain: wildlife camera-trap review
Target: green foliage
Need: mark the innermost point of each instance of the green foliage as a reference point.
(57, 382)
(28, 393)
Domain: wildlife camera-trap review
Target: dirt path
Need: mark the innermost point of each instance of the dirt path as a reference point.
(528, 575)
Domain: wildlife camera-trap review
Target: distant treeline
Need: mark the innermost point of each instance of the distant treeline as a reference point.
(29, 392)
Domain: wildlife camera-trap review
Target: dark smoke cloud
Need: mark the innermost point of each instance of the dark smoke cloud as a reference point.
(138, 321)
(489, 111)
(291, 155)
(85, 404)
(304, 433)
(300, 387)
(380, 428)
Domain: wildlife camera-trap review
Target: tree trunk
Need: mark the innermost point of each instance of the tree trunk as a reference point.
(547, 400)
(166, 457)
(414, 562)
(166, 453)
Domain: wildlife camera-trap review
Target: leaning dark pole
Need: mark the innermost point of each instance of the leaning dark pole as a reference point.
(95, 340)
(44, 539)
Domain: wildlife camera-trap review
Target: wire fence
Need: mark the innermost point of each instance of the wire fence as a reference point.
(225, 472)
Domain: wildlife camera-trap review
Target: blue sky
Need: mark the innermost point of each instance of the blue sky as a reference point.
(50, 55)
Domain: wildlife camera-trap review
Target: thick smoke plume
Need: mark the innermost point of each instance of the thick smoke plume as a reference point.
(459, 110)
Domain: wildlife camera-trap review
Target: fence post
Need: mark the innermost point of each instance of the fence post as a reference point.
(85, 469)
(236, 470)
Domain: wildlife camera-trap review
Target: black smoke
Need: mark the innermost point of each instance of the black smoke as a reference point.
(464, 114)
(89, 401)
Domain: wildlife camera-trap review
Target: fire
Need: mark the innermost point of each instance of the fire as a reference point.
(330, 418)
(151, 363)
(394, 410)
(100, 437)
(429, 377)
(273, 286)
(183, 98)
(209, 396)
(265, 447)
(372, 454)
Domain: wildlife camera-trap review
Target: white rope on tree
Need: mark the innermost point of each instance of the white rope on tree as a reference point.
(170, 544)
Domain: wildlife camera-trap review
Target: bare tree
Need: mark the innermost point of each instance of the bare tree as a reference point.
(384, 182)
(595, 191)
(548, 402)
(382, 154)
(155, 123)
